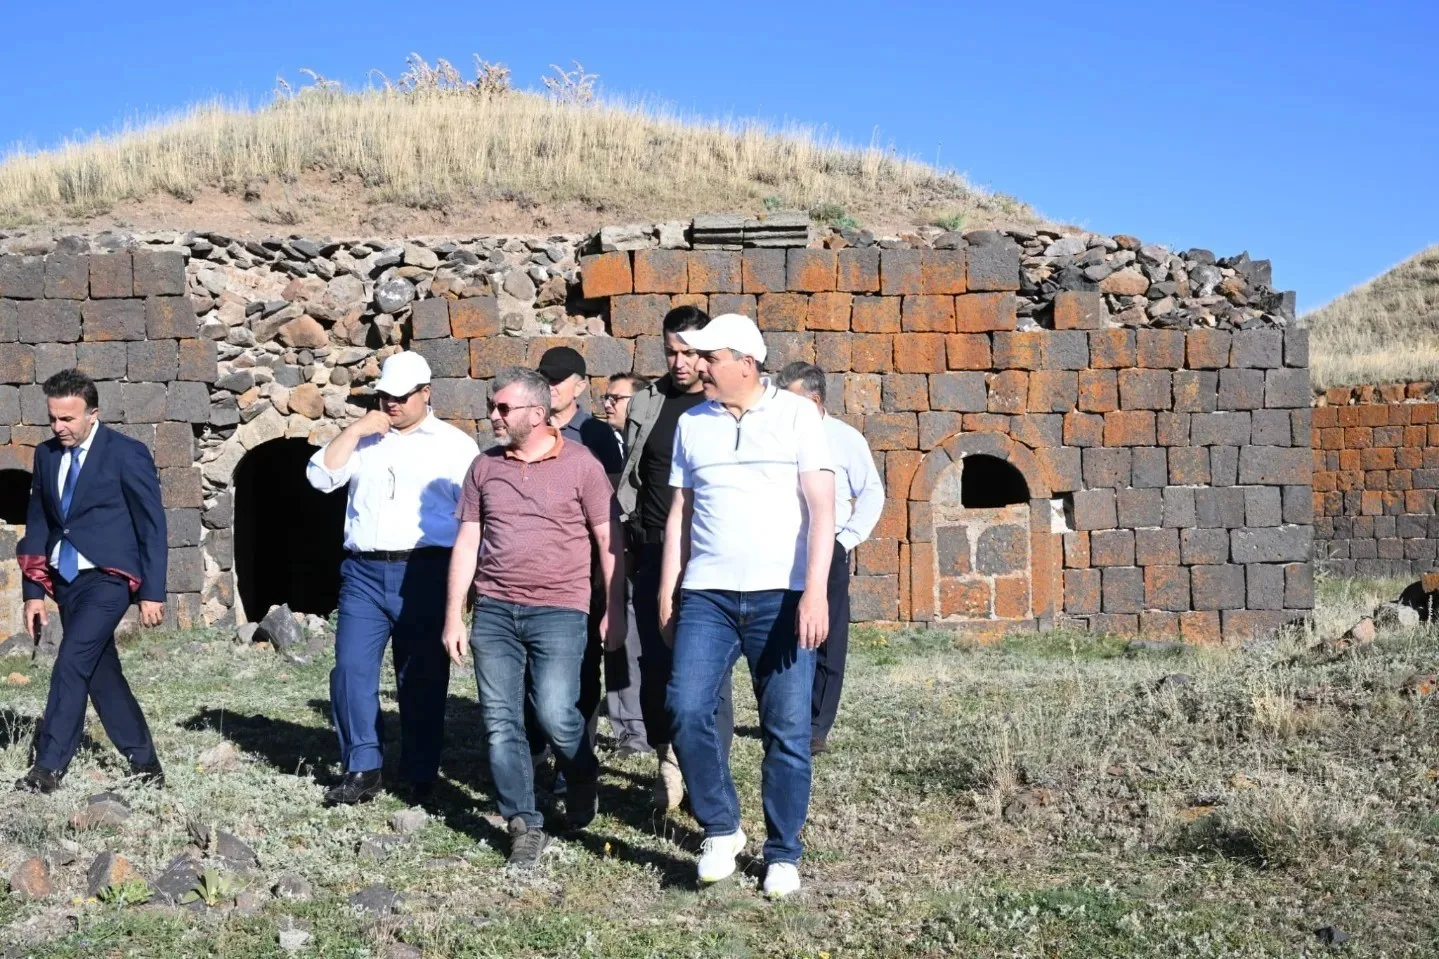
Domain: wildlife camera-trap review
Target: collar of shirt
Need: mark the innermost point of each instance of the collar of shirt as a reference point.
(510, 454)
(576, 422)
(84, 446)
(770, 392)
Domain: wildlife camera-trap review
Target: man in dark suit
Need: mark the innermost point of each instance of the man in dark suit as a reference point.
(94, 538)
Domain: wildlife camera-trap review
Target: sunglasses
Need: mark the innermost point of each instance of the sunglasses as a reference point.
(616, 397)
(399, 400)
(505, 409)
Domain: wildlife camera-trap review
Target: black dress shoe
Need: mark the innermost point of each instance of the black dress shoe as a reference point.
(354, 788)
(148, 774)
(817, 745)
(39, 780)
(419, 794)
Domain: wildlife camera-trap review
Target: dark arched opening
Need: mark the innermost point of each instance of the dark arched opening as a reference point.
(14, 496)
(289, 537)
(988, 482)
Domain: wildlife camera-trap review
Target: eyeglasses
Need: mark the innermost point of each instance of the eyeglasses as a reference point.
(399, 400)
(616, 397)
(505, 409)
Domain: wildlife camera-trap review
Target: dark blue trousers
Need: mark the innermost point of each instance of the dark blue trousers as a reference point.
(403, 603)
(88, 667)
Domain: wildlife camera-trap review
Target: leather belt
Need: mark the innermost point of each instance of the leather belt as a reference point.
(396, 555)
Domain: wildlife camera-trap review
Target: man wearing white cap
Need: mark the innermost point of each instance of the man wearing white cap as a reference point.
(404, 468)
(746, 563)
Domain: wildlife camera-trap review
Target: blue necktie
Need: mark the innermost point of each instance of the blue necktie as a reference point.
(69, 566)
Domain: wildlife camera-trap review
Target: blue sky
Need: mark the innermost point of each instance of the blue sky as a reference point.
(1303, 132)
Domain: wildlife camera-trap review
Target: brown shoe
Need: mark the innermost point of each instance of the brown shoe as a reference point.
(669, 789)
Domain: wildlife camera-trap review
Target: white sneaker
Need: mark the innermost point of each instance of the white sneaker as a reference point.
(717, 856)
(780, 880)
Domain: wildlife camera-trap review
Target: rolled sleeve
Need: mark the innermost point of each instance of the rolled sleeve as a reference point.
(326, 480)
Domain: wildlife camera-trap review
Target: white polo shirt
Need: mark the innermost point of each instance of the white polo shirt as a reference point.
(750, 522)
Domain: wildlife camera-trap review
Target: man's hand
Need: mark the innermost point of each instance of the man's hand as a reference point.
(667, 620)
(812, 619)
(35, 617)
(373, 423)
(613, 629)
(151, 612)
(456, 642)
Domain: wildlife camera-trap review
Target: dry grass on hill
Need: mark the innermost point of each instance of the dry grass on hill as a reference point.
(440, 152)
(1385, 331)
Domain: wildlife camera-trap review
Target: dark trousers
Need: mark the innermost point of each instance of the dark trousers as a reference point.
(88, 667)
(830, 657)
(657, 659)
(402, 603)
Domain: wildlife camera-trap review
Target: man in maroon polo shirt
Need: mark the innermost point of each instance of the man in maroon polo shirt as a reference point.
(528, 510)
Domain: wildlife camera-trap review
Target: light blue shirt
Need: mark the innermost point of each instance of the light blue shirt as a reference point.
(82, 451)
(858, 490)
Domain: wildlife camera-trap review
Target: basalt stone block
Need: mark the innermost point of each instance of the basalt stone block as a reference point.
(1264, 586)
(1104, 467)
(22, 277)
(936, 427)
(170, 317)
(1140, 507)
(430, 318)
(48, 321)
(858, 270)
(1275, 466)
(183, 527)
(904, 392)
(1002, 549)
(10, 321)
(458, 398)
(1280, 544)
(810, 271)
(1082, 591)
(1299, 586)
(1079, 310)
(606, 274)
(943, 271)
(1224, 465)
(1161, 349)
(1269, 428)
(786, 348)
(51, 358)
(1257, 349)
(1196, 391)
(1112, 547)
(180, 488)
(1064, 350)
(153, 361)
(1219, 429)
(1156, 547)
(185, 571)
(1217, 587)
(1166, 587)
(111, 276)
(1287, 389)
(33, 410)
(1298, 505)
(993, 261)
(221, 514)
(1241, 389)
(1219, 507)
(763, 271)
(1296, 349)
(198, 361)
(475, 316)
(963, 392)
(188, 402)
(1038, 430)
(1123, 589)
(159, 273)
(174, 445)
(1145, 390)
(105, 320)
(632, 316)
(143, 402)
(927, 314)
(67, 277)
(901, 272)
(1207, 349)
(1092, 509)
(1111, 349)
(10, 406)
(1052, 391)
(985, 312)
(1062, 468)
(1180, 511)
(1302, 423)
(1262, 506)
(447, 357)
(1171, 429)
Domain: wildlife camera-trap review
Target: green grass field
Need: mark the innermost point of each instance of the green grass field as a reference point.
(1050, 795)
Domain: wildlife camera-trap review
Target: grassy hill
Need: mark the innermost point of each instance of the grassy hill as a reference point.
(435, 152)
(1384, 331)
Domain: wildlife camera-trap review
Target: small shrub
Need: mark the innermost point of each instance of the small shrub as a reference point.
(211, 889)
(132, 892)
(772, 203)
(952, 222)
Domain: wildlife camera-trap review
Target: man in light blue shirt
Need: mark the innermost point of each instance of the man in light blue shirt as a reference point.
(859, 499)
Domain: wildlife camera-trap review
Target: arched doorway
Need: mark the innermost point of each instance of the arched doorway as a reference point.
(14, 496)
(983, 555)
(289, 537)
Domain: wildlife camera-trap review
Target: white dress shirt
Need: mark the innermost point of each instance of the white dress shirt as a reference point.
(749, 526)
(404, 487)
(82, 451)
(858, 491)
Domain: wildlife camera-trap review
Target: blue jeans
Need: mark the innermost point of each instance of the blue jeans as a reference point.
(403, 601)
(508, 638)
(715, 628)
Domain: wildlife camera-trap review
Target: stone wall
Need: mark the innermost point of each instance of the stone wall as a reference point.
(1142, 414)
(1376, 476)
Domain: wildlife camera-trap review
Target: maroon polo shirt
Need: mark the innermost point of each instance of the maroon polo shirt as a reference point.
(536, 519)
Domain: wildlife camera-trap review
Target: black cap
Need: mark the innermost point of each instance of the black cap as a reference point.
(560, 363)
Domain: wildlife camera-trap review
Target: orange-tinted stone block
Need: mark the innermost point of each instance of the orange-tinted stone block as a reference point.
(970, 598)
(967, 351)
(782, 312)
(661, 271)
(874, 314)
(1009, 392)
(928, 314)
(1098, 391)
(858, 270)
(919, 353)
(829, 311)
(810, 271)
(1111, 349)
(714, 271)
(605, 274)
(1207, 349)
(1011, 597)
(474, 316)
(984, 312)
(630, 315)
(1018, 351)
(872, 352)
(942, 271)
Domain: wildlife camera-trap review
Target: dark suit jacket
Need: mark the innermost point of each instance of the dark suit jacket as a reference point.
(116, 520)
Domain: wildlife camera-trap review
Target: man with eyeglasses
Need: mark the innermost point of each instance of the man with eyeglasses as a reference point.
(531, 511)
(404, 468)
(616, 402)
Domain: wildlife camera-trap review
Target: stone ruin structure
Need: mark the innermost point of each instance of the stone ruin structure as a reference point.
(1072, 429)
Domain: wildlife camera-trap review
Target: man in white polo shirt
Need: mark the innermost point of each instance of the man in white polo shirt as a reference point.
(404, 468)
(859, 499)
(746, 558)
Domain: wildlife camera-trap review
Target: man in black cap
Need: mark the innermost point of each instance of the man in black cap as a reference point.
(565, 370)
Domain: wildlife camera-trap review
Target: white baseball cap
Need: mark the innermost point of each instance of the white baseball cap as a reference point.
(728, 331)
(402, 373)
